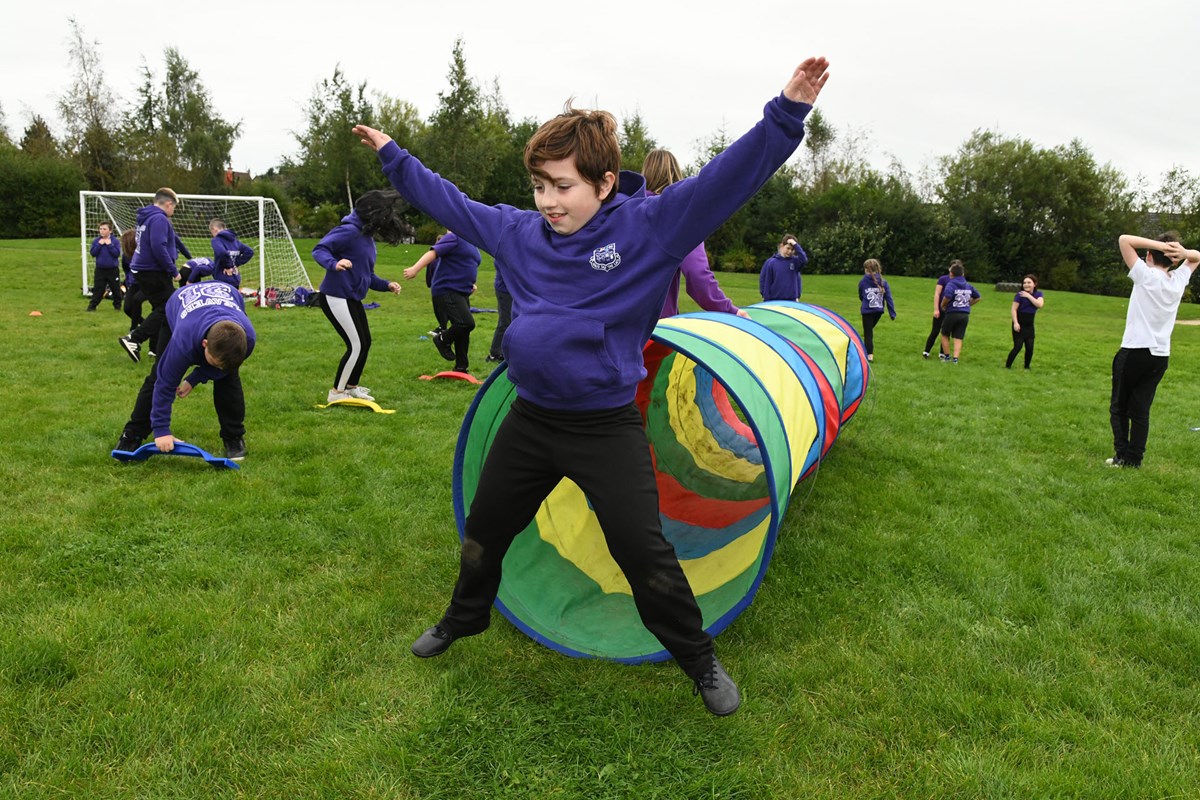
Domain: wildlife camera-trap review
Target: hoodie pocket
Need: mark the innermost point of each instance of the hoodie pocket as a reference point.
(559, 356)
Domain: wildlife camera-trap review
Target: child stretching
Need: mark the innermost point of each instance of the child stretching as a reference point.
(588, 272)
(348, 255)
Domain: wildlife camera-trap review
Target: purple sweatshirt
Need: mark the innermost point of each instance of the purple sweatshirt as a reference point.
(108, 256)
(1024, 306)
(702, 286)
(780, 276)
(157, 244)
(588, 301)
(202, 267)
(960, 293)
(191, 311)
(458, 266)
(348, 241)
(229, 251)
(874, 295)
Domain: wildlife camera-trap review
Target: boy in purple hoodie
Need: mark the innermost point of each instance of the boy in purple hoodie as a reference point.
(588, 273)
(779, 278)
(153, 267)
(229, 252)
(106, 249)
(205, 327)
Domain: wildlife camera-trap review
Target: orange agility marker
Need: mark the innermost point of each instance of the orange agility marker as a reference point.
(35, 313)
(452, 375)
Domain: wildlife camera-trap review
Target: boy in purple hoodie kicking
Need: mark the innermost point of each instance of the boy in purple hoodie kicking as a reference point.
(589, 271)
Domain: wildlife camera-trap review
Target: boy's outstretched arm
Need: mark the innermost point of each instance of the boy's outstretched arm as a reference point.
(807, 80)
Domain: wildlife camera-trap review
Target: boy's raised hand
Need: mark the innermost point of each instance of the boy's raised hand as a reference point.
(807, 81)
(370, 137)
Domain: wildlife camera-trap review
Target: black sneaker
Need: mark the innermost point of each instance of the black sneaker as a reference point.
(493, 359)
(134, 349)
(91, 308)
(127, 443)
(235, 449)
(717, 689)
(443, 347)
(433, 642)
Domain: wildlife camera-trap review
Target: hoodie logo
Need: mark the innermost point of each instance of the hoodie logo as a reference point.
(606, 258)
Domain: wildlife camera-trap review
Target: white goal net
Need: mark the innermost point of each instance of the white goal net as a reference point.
(275, 271)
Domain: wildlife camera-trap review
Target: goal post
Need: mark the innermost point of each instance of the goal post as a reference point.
(255, 220)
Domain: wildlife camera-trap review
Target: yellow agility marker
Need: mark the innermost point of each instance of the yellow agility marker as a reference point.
(354, 401)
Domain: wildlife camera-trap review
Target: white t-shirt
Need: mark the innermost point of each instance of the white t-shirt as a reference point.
(1153, 305)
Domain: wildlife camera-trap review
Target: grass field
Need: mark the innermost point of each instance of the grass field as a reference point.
(965, 602)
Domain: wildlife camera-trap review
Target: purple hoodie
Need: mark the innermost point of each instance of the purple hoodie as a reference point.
(202, 267)
(589, 301)
(228, 251)
(191, 311)
(108, 256)
(458, 266)
(874, 295)
(779, 278)
(959, 293)
(156, 242)
(702, 286)
(348, 241)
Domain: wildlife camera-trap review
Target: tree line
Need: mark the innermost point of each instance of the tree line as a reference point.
(1003, 205)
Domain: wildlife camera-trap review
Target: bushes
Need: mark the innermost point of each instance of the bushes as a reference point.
(39, 195)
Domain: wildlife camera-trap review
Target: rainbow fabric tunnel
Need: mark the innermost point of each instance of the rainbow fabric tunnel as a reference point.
(737, 413)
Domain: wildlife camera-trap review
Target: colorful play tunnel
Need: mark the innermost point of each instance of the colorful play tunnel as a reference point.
(737, 413)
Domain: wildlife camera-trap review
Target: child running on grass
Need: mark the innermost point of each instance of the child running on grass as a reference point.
(588, 272)
(874, 293)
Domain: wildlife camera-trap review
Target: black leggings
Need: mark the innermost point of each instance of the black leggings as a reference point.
(935, 333)
(110, 279)
(454, 308)
(1022, 338)
(349, 319)
(869, 321)
(606, 453)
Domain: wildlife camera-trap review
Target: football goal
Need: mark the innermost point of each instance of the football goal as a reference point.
(275, 271)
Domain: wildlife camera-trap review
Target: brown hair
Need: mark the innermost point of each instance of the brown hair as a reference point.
(226, 344)
(166, 193)
(128, 243)
(106, 224)
(661, 170)
(873, 268)
(786, 238)
(956, 268)
(220, 223)
(590, 137)
(1031, 277)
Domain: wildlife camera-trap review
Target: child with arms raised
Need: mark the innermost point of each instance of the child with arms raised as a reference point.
(589, 272)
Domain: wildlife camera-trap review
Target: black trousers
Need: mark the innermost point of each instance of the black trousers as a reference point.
(504, 306)
(606, 453)
(935, 333)
(349, 319)
(455, 309)
(868, 323)
(1135, 377)
(157, 287)
(1022, 338)
(228, 400)
(106, 278)
(134, 298)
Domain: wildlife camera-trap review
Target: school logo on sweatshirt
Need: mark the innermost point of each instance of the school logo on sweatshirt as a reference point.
(606, 258)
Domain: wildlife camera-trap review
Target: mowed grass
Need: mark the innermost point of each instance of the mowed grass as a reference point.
(964, 601)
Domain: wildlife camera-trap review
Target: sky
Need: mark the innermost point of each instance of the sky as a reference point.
(910, 80)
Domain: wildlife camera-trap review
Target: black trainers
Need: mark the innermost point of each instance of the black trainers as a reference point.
(443, 346)
(91, 308)
(235, 449)
(433, 642)
(717, 689)
(493, 359)
(1120, 462)
(132, 348)
(127, 443)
